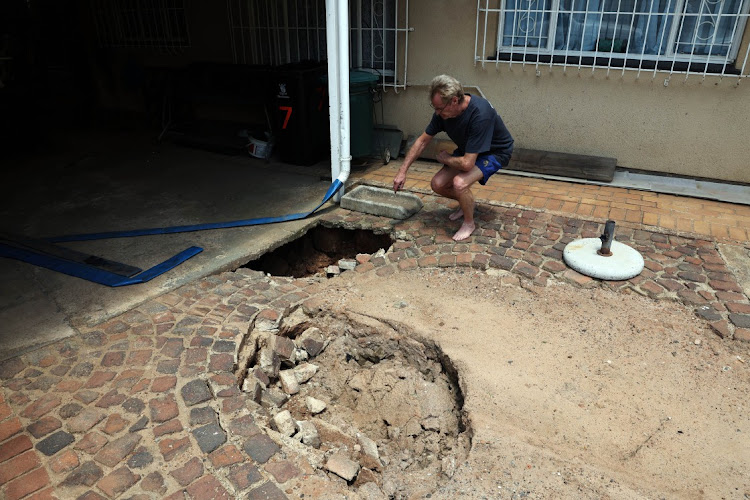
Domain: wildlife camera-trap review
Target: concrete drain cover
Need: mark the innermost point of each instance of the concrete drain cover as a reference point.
(368, 403)
(624, 263)
(383, 202)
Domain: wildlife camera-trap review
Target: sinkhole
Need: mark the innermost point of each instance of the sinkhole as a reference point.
(369, 400)
(314, 251)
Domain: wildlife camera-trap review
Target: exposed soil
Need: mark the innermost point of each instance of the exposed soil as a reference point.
(569, 392)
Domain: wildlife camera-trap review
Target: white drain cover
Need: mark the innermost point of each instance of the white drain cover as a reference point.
(624, 263)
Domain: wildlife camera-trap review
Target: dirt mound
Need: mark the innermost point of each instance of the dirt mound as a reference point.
(371, 402)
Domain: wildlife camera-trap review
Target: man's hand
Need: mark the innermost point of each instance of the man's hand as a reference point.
(443, 157)
(398, 182)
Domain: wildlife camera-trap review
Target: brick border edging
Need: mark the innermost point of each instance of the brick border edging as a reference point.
(588, 218)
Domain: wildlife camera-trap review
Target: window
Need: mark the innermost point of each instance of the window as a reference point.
(373, 35)
(159, 25)
(275, 32)
(685, 35)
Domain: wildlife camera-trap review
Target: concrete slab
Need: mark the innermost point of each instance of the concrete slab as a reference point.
(383, 202)
(135, 184)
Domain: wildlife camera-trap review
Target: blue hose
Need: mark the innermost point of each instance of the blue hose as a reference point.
(335, 186)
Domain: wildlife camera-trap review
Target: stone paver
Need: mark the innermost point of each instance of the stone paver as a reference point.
(149, 405)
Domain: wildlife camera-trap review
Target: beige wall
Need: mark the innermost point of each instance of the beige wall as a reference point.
(694, 128)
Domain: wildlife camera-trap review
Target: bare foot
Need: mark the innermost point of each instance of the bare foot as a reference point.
(464, 231)
(456, 215)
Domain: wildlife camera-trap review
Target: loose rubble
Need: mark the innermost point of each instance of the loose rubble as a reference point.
(367, 402)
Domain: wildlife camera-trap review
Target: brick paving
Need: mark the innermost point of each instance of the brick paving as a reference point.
(148, 405)
(725, 222)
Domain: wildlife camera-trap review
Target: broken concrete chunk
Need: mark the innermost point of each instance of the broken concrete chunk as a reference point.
(308, 433)
(299, 355)
(448, 466)
(382, 202)
(284, 423)
(342, 466)
(368, 456)
(314, 406)
(347, 264)
(289, 382)
(367, 486)
(254, 388)
(330, 433)
(255, 376)
(368, 446)
(305, 372)
(312, 332)
(269, 362)
(360, 381)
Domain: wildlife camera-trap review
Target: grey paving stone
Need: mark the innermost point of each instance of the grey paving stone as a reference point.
(203, 415)
(168, 367)
(134, 405)
(210, 437)
(140, 424)
(54, 443)
(82, 369)
(708, 313)
(196, 392)
(260, 448)
(141, 458)
(267, 491)
(69, 410)
(740, 320)
(87, 474)
(224, 346)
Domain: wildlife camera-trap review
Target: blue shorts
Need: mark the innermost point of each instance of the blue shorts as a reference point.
(488, 164)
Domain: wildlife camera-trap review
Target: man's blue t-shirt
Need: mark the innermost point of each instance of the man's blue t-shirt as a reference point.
(479, 129)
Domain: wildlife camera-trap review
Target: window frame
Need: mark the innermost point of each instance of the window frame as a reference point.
(671, 57)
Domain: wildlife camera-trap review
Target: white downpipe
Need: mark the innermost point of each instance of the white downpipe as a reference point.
(334, 110)
(337, 33)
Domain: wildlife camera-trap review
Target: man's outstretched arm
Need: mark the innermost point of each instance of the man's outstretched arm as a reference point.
(414, 153)
(463, 163)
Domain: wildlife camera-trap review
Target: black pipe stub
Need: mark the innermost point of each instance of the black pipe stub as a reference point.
(604, 257)
(607, 237)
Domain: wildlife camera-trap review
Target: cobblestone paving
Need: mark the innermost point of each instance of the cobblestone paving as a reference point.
(148, 405)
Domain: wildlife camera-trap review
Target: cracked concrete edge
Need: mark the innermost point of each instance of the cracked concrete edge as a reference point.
(737, 258)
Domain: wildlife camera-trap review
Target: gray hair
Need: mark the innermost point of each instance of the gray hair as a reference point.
(446, 87)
